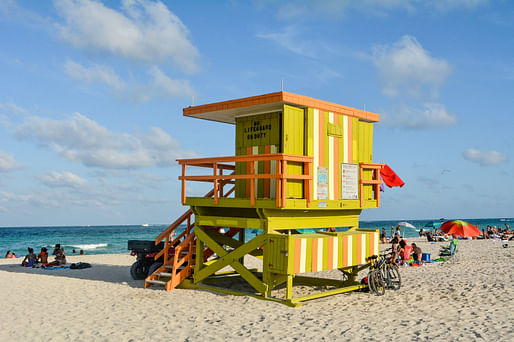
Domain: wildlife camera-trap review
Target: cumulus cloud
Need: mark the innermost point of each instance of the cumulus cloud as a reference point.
(12, 108)
(406, 66)
(93, 74)
(8, 163)
(488, 158)
(141, 30)
(82, 140)
(166, 87)
(63, 179)
(289, 39)
(449, 5)
(159, 84)
(430, 115)
(337, 8)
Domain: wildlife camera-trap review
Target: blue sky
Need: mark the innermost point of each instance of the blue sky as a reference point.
(91, 98)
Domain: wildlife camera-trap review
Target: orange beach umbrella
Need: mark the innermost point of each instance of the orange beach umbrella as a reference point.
(460, 228)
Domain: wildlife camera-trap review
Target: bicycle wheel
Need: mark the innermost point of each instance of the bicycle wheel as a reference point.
(379, 283)
(385, 275)
(395, 280)
(371, 283)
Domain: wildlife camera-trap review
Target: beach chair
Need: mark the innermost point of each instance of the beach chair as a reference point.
(449, 251)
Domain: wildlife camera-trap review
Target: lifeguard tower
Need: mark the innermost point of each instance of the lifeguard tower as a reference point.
(302, 171)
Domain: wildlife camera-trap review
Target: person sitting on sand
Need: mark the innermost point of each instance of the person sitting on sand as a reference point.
(416, 252)
(60, 257)
(13, 255)
(30, 259)
(42, 257)
(56, 249)
(8, 254)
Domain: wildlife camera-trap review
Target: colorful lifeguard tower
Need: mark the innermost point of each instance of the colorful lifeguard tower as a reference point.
(302, 168)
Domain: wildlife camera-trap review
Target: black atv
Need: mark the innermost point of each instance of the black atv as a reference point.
(145, 252)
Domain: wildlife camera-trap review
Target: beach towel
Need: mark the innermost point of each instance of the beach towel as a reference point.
(51, 268)
(390, 178)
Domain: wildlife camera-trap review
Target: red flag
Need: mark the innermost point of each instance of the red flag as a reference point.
(390, 178)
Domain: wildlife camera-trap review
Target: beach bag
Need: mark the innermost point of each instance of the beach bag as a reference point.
(80, 265)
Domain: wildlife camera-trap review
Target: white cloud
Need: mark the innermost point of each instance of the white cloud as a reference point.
(64, 179)
(294, 10)
(449, 5)
(142, 31)
(431, 115)
(406, 67)
(96, 73)
(289, 40)
(166, 87)
(80, 139)
(488, 158)
(4, 121)
(159, 84)
(7, 162)
(12, 108)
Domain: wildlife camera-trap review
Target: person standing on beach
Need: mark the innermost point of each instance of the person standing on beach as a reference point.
(383, 235)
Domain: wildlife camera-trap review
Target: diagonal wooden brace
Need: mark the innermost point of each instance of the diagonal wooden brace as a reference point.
(231, 259)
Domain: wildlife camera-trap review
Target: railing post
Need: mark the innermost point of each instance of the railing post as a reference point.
(166, 248)
(278, 190)
(252, 183)
(308, 184)
(183, 184)
(222, 183)
(284, 182)
(215, 171)
(377, 173)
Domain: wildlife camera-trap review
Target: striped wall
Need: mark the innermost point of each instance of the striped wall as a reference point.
(331, 146)
(332, 252)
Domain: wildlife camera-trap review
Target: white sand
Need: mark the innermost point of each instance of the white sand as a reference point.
(471, 299)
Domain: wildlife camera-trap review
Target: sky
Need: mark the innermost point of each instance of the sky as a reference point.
(91, 98)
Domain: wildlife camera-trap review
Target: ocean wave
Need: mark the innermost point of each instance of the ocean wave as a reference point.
(91, 246)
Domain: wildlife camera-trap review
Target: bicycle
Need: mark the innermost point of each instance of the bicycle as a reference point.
(376, 281)
(390, 271)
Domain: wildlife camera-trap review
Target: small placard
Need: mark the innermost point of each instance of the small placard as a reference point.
(322, 205)
(349, 181)
(322, 183)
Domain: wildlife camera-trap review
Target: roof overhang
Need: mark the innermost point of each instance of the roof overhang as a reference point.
(228, 111)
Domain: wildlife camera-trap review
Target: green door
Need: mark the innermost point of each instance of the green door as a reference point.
(292, 143)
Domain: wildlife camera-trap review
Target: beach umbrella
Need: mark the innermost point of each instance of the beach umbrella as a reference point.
(406, 224)
(433, 224)
(460, 228)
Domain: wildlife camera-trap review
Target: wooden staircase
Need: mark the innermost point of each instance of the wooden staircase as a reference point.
(179, 252)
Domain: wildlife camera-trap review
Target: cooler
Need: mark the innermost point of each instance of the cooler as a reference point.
(425, 257)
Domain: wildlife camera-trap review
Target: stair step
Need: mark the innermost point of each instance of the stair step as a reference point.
(163, 274)
(156, 282)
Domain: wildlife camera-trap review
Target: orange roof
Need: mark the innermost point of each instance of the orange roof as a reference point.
(227, 111)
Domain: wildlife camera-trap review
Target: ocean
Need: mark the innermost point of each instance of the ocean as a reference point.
(113, 239)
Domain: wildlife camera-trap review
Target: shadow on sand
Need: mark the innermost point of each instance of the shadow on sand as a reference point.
(99, 272)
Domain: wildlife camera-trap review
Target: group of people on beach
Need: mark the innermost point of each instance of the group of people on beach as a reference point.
(41, 259)
(493, 232)
(398, 245)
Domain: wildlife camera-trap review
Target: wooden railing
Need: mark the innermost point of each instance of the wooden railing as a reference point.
(374, 181)
(219, 164)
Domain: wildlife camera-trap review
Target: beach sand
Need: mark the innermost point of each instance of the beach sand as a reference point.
(470, 299)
